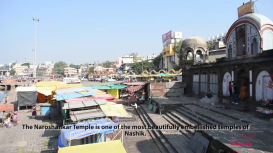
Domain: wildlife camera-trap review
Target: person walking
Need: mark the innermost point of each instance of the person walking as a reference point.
(235, 94)
(230, 89)
(6, 100)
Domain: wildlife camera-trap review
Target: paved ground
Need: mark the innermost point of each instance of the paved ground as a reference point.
(19, 140)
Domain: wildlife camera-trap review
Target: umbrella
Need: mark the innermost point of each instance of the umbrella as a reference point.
(163, 75)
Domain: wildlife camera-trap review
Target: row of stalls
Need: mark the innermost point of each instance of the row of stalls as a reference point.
(78, 106)
(87, 107)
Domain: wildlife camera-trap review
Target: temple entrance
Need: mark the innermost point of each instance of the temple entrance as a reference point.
(242, 77)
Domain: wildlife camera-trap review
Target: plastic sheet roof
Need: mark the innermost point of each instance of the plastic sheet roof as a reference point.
(22, 89)
(78, 99)
(86, 114)
(114, 146)
(105, 96)
(80, 104)
(72, 133)
(112, 109)
(58, 92)
(73, 95)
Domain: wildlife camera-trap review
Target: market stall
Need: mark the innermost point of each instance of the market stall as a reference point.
(110, 146)
(71, 136)
(26, 96)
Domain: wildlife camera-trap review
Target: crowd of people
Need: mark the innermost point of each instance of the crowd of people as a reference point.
(9, 119)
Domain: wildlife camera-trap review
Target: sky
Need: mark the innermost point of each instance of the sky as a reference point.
(85, 31)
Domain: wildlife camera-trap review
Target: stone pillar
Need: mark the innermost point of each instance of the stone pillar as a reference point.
(232, 75)
(250, 84)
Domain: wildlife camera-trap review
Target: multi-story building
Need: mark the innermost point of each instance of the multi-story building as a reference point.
(170, 57)
(21, 70)
(69, 71)
(151, 57)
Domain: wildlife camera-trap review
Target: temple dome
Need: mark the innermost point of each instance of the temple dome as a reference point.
(193, 42)
(260, 19)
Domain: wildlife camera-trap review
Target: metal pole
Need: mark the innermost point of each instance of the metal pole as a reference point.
(35, 20)
(33, 62)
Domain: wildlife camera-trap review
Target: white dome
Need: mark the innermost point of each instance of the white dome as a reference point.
(262, 20)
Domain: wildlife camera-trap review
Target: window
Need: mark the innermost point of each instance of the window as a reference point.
(204, 83)
(196, 83)
(213, 83)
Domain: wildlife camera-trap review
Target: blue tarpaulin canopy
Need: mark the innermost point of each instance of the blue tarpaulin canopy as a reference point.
(105, 126)
(73, 95)
(59, 92)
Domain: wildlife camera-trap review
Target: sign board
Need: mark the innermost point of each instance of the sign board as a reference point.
(166, 38)
(245, 9)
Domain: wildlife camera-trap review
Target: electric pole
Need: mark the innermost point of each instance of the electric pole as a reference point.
(34, 73)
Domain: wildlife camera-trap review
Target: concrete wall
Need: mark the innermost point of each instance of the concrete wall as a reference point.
(167, 89)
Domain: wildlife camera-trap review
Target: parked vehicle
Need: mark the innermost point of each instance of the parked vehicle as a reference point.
(111, 80)
(98, 79)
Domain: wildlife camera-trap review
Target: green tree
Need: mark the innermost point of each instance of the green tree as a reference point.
(75, 66)
(156, 61)
(91, 69)
(146, 66)
(12, 72)
(2, 68)
(211, 45)
(108, 64)
(59, 67)
(178, 46)
(177, 67)
(26, 64)
(135, 57)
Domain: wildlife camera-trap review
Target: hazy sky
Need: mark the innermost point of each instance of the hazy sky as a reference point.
(87, 31)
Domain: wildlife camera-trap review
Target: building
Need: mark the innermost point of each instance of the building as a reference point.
(127, 63)
(219, 37)
(69, 71)
(248, 60)
(151, 57)
(170, 57)
(218, 51)
(21, 70)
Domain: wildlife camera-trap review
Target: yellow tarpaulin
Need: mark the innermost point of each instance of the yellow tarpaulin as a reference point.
(112, 109)
(113, 92)
(103, 147)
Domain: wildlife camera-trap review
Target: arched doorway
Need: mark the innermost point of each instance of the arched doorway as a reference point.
(226, 80)
(199, 56)
(255, 46)
(262, 92)
(189, 55)
(242, 77)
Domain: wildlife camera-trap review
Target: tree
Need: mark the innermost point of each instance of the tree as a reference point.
(91, 69)
(59, 67)
(146, 66)
(178, 46)
(12, 72)
(13, 64)
(135, 57)
(75, 66)
(211, 45)
(157, 60)
(2, 68)
(177, 67)
(26, 64)
(108, 64)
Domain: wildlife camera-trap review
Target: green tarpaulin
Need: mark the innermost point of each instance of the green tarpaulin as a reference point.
(163, 75)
